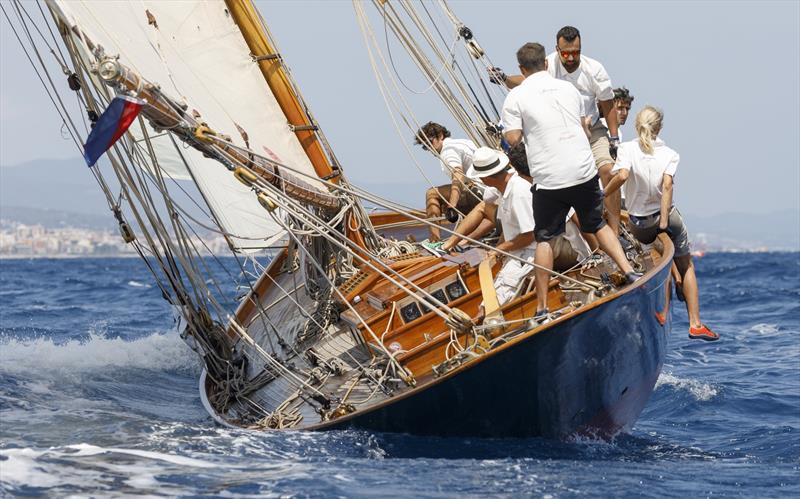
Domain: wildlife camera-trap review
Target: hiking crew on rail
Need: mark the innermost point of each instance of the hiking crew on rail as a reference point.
(563, 110)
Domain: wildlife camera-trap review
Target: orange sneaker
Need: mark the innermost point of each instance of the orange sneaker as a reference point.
(702, 333)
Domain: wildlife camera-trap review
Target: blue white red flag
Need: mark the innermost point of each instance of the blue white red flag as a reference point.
(114, 121)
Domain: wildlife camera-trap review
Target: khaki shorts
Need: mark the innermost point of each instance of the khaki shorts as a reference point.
(600, 145)
(467, 200)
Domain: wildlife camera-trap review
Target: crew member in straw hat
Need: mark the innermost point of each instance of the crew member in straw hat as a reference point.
(514, 212)
(567, 248)
(512, 195)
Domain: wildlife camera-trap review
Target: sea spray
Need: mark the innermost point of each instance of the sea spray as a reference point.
(158, 351)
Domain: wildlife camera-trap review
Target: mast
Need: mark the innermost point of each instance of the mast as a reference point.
(251, 24)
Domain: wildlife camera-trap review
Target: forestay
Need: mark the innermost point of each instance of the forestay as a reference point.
(195, 51)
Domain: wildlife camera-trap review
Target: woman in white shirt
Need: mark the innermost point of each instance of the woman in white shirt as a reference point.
(645, 168)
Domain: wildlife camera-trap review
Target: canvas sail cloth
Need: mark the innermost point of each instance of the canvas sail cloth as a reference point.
(196, 52)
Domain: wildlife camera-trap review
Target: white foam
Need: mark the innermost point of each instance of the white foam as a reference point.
(137, 284)
(62, 466)
(156, 352)
(93, 450)
(20, 467)
(699, 390)
(765, 329)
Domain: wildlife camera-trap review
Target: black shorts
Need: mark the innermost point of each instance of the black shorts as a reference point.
(550, 208)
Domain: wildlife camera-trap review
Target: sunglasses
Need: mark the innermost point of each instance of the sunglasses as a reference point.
(566, 53)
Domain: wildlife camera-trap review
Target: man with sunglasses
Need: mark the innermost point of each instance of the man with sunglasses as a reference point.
(593, 83)
(548, 114)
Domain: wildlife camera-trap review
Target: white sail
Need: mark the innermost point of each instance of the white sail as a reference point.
(195, 51)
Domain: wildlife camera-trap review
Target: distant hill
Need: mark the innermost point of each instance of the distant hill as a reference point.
(54, 219)
(63, 185)
(59, 193)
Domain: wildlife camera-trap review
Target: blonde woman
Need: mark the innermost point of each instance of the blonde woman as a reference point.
(645, 168)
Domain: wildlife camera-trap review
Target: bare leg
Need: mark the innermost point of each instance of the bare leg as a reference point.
(610, 244)
(591, 240)
(483, 228)
(467, 226)
(614, 201)
(676, 274)
(433, 209)
(690, 289)
(543, 258)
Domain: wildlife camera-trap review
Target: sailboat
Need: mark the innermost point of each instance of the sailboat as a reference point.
(335, 316)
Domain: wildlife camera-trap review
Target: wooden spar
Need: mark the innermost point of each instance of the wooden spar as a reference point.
(251, 25)
(247, 18)
(164, 114)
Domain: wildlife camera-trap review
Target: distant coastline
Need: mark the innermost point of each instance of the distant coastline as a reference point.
(66, 257)
(57, 237)
(134, 255)
(21, 241)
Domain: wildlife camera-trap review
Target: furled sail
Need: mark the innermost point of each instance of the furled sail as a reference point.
(196, 52)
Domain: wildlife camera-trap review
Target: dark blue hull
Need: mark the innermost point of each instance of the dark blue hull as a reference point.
(591, 373)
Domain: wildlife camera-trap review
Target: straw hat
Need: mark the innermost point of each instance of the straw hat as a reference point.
(487, 161)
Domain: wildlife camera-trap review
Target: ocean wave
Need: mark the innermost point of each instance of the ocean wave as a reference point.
(62, 470)
(702, 392)
(158, 351)
(59, 467)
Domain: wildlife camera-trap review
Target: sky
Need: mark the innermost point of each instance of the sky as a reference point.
(726, 74)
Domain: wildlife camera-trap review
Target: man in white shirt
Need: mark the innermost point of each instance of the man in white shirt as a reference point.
(512, 196)
(622, 106)
(547, 113)
(592, 81)
(623, 100)
(460, 196)
(567, 248)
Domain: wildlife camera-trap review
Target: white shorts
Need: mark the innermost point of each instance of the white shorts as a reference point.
(508, 279)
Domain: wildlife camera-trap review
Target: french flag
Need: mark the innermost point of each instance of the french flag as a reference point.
(110, 126)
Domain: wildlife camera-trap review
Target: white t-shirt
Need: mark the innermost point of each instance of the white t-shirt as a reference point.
(456, 153)
(548, 111)
(491, 195)
(591, 80)
(515, 211)
(643, 187)
(572, 234)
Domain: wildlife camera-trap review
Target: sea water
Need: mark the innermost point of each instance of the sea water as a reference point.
(98, 396)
